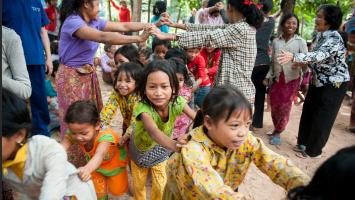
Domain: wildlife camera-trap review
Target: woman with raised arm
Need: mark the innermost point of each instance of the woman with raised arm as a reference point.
(236, 41)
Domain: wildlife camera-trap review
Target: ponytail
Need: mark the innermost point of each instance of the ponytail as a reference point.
(253, 16)
(198, 121)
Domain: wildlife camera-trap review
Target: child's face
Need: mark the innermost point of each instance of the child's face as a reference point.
(125, 84)
(83, 133)
(231, 133)
(158, 89)
(119, 58)
(143, 59)
(191, 54)
(181, 79)
(160, 51)
(290, 26)
(111, 52)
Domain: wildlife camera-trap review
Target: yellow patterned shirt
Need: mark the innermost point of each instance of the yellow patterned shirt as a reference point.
(204, 170)
(115, 102)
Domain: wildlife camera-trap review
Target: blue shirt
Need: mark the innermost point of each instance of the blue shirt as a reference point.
(27, 17)
(164, 28)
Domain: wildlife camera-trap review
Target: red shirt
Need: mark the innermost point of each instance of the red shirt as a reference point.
(52, 16)
(124, 15)
(212, 62)
(198, 68)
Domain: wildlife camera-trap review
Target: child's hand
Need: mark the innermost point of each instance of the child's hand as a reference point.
(84, 173)
(123, 140)
(182, 141)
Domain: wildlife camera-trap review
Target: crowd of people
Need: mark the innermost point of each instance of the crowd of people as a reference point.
(189, 101)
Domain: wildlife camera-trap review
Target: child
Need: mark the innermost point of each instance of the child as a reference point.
(123, 97)
(51, 93)
(182, 123)
(106, 163)
(127, 53)
(106, 61)
(286, 77)
(197, 67)
(211, 57)
(160, 47)
(334, 179)
(36, 167)
(151, 129)
(215, 161)
(144, 55)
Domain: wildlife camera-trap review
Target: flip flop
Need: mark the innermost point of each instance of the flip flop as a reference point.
(275, 140)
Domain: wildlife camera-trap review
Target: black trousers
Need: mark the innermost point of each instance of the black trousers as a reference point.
(257, 76)
(320, 109)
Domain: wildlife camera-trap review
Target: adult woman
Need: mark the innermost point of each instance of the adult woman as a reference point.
(330, 74)
(286, 77)
(262, 62)
(236, 41)
(37, 166)
(80, 34)
(158, 9)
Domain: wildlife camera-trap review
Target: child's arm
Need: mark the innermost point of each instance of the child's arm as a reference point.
(189, 112)
(156, 134)
(280, 170)
(196, 85)
(95, 161)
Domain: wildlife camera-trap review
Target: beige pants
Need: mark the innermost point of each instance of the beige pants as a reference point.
(139, 177)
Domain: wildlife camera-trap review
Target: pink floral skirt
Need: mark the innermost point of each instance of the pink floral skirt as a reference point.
(281, 96)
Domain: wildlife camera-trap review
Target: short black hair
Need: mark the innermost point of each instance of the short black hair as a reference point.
(287, 17)
(132, 69)
(82, 111)
(220, 103)
(180, 67)
(15, 114)
(156, 42)
(159, 8)
(130, 52)
(267, 5)
(154, 66)
(332, 15)
(146, 51)
(334, 179)
(212, 3)
(176, 53)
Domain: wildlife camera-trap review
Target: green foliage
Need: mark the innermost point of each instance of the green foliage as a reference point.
(308, 10)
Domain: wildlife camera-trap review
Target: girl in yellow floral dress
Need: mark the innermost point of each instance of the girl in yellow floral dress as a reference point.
(123, 97)
(221, 148)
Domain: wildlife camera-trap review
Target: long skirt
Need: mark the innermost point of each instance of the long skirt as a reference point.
(75, 84)
(281, 96)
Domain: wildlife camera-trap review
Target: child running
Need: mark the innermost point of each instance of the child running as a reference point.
(123, 97)
(182, 123)
(106, 163)
(151, 128)
(215, 161)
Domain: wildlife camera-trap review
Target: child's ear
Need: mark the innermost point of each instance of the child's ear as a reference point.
(97, 127)
(207, 122)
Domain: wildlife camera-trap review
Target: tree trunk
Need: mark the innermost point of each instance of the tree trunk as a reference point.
(178, 18)
(149, 4)
(136, 10)
(109, 10)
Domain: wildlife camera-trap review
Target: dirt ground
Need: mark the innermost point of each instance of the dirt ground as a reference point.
(257, 185)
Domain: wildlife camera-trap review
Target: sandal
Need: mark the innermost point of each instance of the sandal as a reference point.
(275, 140)
(299, 148)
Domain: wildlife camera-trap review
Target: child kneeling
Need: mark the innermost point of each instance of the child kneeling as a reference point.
(216, 159)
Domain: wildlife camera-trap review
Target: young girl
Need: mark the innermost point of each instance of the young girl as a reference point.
(160, 48)
(215, 161)
(211, 57)
(106, 62)
(185, 90)
(127, 53)
(123, 97)
(106, 165)
(151, 129)
(236, 41)
(286, 77)
(36, 167)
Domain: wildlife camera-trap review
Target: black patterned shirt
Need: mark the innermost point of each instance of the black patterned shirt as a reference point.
(327, 60)
(238, 51)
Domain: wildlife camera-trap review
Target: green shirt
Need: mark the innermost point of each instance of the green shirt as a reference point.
(142, 139)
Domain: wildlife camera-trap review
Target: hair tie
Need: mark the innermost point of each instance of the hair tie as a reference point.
(250, 2)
